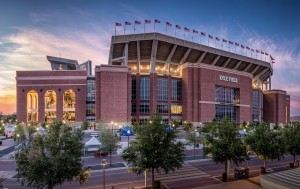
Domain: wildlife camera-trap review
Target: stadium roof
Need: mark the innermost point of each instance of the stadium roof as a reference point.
(67, 64)
(167, 49)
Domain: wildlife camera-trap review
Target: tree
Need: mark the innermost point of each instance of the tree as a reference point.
(193, 138)
(155, 149)
(225, 145)
(109, 142)
(291, 135)
(52, 159)
(2, 129)
(266, 143)
(187, 126)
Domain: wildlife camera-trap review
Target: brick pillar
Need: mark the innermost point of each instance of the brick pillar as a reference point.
(59, 105)
(169, 97)
(153, 101)
(187, 95)
(41, 106)
(195, 92)
(138, 82)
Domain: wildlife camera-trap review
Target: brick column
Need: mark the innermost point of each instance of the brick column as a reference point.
(41, 106)
(153, 100)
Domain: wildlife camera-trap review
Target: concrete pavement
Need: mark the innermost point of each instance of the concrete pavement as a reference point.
(251, 183)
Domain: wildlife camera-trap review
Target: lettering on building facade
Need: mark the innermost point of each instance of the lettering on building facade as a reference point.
(228, 79)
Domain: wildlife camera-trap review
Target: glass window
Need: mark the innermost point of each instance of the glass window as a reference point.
(32, 106)
(144, 107)
(90, 118)
(50, 106)
(162, 108)
(162, 88)
(255, 106)
(69, 102)
(227, 98)
(133, 88)
(176, 89)
(90, 108)
(176, 108)
(145, 88)
(91, 90)
(133, 107)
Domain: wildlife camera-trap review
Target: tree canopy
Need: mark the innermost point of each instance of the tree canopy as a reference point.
(154, 149)
(57, 158)
(109, 142)
(266, 143)
(224, 143)
(291, 135)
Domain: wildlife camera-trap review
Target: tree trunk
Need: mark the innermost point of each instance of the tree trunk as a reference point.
(194, 149)
(228, 168)
(109, 158)
(265, 163)
(152, 175)
(294, 158)
(225, 167)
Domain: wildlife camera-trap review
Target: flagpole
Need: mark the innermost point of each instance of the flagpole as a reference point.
(208, 41)
(154, 26)
(166, 29)
(144, 27)
(193, 36)
(134, 28)
(115, 29)
(124, 28)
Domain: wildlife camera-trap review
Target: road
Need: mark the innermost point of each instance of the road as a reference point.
(193, 174)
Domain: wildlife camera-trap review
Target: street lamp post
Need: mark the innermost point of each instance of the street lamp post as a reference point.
(128, 132)
(103, 163)
(112, 126)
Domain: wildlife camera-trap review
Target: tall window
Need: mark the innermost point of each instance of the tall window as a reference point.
(69, 102)
(176, 108)
(176, 89)
(50, 106)
(162, 88)
(162, 108)
(133, 88)
(144, 107)
(90, 108)
(90, 90)
(255, 105)
(32, 106)
(133, 107)
(227, 98)
(145, 88)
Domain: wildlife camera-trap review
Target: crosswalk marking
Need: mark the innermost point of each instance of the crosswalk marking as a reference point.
(187, 172)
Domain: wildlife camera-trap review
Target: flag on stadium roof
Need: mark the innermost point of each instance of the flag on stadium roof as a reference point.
(257, 51)
(242, 46)
(248, 48)
(272, 57)
(195, 31)
(210, 36)
(187, 29)
(217, 39)
(137, 22)
(203, 34)
(225, 40)
(252, 50)
(147, 21)
(178, 27)
(262, 52)
(169, 23)
(118, 24)
(128, 23)
(236, 44)
(157, 21)
(267, 54)
(230, 42)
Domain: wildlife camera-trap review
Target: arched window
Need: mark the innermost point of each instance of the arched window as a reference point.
(32, 106)
(50, 106)
(69, 104)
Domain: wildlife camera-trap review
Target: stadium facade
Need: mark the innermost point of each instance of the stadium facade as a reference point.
(179, 79)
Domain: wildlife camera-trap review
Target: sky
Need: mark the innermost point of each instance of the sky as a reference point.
(82, 30)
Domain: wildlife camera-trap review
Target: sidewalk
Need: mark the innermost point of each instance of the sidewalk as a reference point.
(251, 183)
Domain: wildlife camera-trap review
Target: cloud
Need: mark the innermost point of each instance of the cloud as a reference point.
(38, 17)
(286, 67)
(27, 49)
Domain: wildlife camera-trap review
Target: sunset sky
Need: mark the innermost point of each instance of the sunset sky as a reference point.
(82, 30)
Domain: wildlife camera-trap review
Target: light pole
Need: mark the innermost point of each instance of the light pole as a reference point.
(112, 126)
(128, 132)
(103, 163)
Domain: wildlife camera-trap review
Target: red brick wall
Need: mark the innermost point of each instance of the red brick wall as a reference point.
(59, 81)
(199, 85)
(276, 106)
(113, 93)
